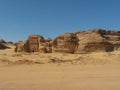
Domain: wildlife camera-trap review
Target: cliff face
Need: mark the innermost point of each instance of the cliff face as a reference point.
(65, 43)
(34, 43)
(95, 40)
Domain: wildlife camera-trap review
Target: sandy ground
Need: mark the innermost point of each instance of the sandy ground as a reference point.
(95, 71)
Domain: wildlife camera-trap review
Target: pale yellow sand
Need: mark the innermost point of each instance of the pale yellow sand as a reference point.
(95, 71)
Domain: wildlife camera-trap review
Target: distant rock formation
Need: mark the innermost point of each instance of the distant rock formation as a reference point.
(3, 44)
(95, 40)
(2, 41)
(10, 42)
(34, 43)
(65, 43)
(19, 46)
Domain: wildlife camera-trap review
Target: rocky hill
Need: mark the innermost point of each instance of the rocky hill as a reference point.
(98, 40)
(66, 42)
(34, 43)
(95, 40)
(3, 44)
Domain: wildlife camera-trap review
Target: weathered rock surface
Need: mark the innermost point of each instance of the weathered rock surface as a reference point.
(2, 41)
(95, 40)
(34, 43)
(3, 44)
(98, 40)
(66, 42)
(19, 46)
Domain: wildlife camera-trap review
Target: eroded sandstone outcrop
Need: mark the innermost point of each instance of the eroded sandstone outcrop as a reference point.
(95, 40)
(19, 46)
(3, 44)
(65, 43)
(98, 40)
(34, 43)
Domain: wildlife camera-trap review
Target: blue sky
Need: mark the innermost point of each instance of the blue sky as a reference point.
(49, 18)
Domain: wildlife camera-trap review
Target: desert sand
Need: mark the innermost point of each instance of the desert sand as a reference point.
(59, 71)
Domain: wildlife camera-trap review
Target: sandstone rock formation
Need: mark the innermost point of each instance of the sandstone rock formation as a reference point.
(34, 43)
(3, 44)
(19, 46)
(98, 40)
(10, 43)
(95, 40)
(2, 41)
(65, 43)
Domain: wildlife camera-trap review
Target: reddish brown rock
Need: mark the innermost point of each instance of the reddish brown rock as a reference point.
(34, 43)
(95, 40)
(3, 44)
(98, 40)
(19, 46)
(2, 41)
(65, 43)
